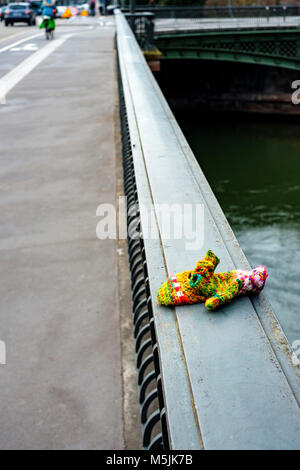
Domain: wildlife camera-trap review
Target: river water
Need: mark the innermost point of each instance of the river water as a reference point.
(253, 166)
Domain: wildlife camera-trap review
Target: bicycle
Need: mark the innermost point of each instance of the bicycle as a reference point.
(49, 25)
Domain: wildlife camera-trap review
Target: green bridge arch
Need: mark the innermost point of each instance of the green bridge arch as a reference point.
(278, 48)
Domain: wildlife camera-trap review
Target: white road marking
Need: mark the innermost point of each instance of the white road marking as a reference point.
(20, 42)
(12, 78)
(28, 47)
(104, 23)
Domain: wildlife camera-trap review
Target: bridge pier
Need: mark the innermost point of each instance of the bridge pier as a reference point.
(153, 59)
(216, 85)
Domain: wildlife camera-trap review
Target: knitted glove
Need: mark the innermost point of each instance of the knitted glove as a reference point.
(204, 285)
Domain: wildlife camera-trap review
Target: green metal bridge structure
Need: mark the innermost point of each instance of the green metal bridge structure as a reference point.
(266, 40)
(280, 48)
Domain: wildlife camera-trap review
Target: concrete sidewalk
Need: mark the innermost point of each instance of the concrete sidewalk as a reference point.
(59, 290)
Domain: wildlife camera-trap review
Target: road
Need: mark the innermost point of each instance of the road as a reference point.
(61, 387)
(213, 24)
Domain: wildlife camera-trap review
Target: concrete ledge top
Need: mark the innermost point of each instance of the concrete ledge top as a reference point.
(228, 378)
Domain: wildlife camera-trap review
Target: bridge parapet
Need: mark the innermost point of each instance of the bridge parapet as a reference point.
(222, 380)
(207, 12)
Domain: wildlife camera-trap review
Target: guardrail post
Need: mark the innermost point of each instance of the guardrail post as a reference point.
(267, 12)
(132, 17)
(149, 27)
(230, 14)
(284, 12)
(132, 7)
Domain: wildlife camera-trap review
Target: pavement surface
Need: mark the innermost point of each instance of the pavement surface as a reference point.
(61, 387)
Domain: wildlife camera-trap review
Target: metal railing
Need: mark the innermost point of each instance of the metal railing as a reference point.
(153, 420)
(266, 11)
(142, 25)
(161, 20)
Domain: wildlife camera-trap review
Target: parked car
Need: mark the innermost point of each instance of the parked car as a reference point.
(19, 13)
(2, 10)
(36, 5)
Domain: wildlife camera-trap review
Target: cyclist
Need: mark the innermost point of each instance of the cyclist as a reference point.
(48, 14)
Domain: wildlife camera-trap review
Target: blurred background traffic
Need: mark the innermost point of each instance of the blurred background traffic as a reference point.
(28, 12)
